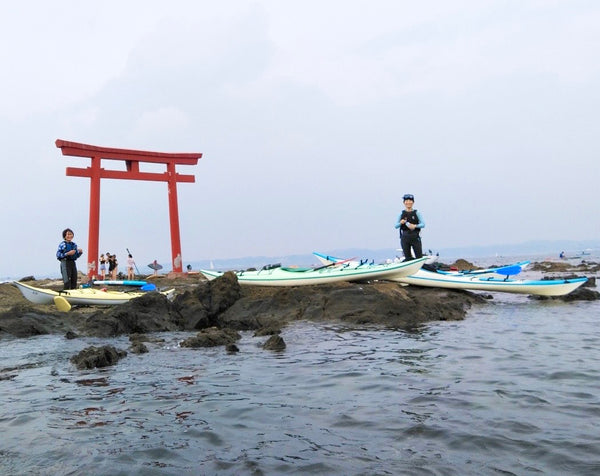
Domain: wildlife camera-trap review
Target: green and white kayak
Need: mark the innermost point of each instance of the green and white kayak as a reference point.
(333, 273)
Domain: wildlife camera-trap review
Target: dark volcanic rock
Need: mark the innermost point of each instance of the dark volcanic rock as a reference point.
(26, 325)
(92, 357)
(463, 265)
(211, 338)
(223, 303)
(152, 312)
(580, 294)
(200, 307)
(275, 342)
(377, 303)
(267, 331)
(564, 266)
(139, 348)
(26, 320)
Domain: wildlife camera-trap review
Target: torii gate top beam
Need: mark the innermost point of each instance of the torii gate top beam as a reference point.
(111, 153)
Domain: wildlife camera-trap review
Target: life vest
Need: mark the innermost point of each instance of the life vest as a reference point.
(410, 217)
(69, 245)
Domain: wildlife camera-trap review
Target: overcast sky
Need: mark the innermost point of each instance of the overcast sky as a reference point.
(313, 117)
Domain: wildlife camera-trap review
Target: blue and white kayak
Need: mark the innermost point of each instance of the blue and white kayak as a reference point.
(332, 273)
(113, 282)
(487, 282)
(484, 280)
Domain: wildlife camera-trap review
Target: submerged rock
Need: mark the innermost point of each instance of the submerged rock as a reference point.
(139, 348)
(275, 342)
(93, 357)
(580, 294)
(232, 348)
(211, 338)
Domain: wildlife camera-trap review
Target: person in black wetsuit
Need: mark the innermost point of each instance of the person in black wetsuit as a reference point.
(410, 223)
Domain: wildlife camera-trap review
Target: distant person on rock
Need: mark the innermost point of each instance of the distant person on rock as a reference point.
(67, 254)
(102, 267)
(410, 223)
(130, 266)
(113, 266)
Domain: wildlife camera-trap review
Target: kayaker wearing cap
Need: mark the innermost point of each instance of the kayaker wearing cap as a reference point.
(410, 223)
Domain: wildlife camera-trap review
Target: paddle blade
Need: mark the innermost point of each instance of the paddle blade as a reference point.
(62, 304)
(509, 270)
(148, 287)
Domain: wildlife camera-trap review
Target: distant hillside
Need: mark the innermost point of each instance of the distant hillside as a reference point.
(551, 248)
(528, 250)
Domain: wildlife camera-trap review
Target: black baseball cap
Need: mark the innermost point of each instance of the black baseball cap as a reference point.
(408, 196)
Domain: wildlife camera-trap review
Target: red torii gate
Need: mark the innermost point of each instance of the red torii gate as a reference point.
(132, 159)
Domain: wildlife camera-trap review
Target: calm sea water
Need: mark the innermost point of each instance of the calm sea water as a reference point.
(512, 389)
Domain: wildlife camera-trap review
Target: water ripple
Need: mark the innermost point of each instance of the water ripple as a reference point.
(513, 389)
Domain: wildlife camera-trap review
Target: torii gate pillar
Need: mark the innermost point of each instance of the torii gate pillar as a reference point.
(132, 159)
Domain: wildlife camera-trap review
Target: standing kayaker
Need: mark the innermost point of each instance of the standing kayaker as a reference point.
(410, 223)
(67, 254)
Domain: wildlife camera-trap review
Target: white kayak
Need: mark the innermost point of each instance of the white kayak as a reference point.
(508, 270)
(487, 282)
(333, 273)
(484, 280)
(80, 296)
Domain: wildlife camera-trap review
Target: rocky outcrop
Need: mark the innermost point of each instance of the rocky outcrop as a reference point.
(274, 343)
(224, 304)
(585, 267)
(582, 293)
(200, 307)
(152, 312)
(93, 357)
(383, 303)
(211, 338)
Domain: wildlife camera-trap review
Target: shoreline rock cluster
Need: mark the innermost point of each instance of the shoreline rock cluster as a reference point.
(224, 304)
(217, 310)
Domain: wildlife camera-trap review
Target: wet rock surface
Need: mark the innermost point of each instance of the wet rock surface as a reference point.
(212, 337)
(224, 304)
(383, 303)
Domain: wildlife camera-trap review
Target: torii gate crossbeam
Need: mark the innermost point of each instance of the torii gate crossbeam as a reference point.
(132, 159)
